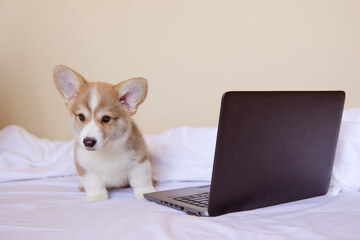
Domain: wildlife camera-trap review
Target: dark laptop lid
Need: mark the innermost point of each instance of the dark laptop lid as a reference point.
(274, 147)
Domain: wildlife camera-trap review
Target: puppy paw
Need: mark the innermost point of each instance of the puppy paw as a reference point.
(139, 192)
(96, 197)
(155, 180)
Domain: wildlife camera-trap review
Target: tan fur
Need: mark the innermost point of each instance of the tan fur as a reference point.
(80, 170)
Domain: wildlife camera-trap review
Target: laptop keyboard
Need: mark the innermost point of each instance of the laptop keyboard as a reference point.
(199, 200)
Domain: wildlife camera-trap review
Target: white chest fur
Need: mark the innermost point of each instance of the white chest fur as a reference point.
(111, 164)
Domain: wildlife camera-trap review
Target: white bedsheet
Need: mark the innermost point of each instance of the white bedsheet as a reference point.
(55, 209)
(39, 197)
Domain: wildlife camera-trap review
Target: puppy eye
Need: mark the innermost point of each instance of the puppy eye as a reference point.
(81, 117)
(105, 119)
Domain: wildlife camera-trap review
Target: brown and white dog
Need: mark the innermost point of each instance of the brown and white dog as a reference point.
(110, 151)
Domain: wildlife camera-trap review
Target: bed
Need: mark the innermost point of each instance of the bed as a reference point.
(39, 197)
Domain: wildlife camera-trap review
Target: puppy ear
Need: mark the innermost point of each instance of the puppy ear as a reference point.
(67, 81)
(132, 92)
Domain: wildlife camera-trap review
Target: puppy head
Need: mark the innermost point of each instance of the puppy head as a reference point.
(100, 112)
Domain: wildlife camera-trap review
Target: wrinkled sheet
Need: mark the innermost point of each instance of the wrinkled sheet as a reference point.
(39, 197)
(55, 209)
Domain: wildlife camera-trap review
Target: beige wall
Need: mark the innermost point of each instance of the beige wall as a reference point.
(191, 51)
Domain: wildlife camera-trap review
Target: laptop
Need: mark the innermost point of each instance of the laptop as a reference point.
(271, 148)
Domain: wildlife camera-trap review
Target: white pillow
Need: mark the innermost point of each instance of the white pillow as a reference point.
(346, 172)
(25, 156)
(182, 154)
(179, 154)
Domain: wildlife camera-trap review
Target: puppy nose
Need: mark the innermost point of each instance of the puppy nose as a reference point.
(89, 142)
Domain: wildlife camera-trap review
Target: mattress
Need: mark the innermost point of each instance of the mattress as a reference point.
(39, 196)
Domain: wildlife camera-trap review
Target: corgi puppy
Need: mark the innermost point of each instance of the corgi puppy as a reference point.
(110, 151)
